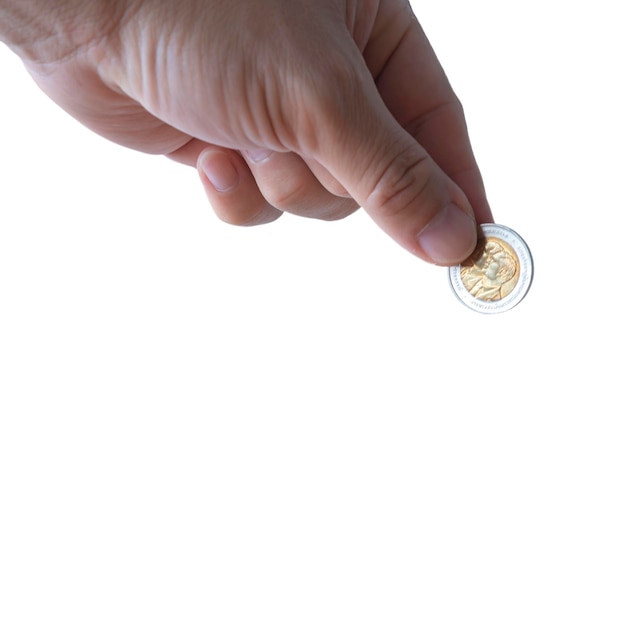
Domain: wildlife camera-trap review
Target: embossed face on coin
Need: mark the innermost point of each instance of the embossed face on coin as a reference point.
(497, 275)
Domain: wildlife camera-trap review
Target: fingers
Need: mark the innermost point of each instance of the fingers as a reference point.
(232, 190)
(258, 188)
(228, 183)
(288, 184)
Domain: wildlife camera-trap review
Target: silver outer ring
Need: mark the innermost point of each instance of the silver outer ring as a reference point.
(523, 284)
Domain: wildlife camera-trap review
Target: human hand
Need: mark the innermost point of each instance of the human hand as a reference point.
(311, 107)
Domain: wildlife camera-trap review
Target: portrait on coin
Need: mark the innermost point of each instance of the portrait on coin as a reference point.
(492, 271)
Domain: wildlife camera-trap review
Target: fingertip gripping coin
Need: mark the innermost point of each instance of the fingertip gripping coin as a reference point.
(498, 274)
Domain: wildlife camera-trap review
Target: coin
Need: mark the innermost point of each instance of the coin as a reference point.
(497, 275)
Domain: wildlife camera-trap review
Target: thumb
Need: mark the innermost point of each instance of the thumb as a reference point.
(392, 176)
(414, 201)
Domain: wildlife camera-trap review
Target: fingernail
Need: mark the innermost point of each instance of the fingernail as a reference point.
(220, 172)
(258, 155)
(450, 237)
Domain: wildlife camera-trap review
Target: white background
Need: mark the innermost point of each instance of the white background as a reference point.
(299, 423)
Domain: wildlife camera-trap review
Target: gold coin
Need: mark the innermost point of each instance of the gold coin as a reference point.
(497, 275)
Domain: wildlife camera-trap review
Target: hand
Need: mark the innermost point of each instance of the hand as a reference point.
(314, 107)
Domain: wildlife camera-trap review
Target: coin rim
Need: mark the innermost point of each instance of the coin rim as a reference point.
(523, 284)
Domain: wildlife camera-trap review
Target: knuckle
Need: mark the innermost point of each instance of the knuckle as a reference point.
(287, 195)
(242, 215)
(339, 210)
(402, 185)
(314, 202)
(336, 188)
(232, 217)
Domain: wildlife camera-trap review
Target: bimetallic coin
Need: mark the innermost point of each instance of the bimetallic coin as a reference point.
(497, 275)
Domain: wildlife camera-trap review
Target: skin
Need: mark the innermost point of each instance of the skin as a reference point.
(310, 107)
